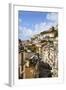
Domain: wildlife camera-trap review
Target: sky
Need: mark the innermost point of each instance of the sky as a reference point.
(33, 22)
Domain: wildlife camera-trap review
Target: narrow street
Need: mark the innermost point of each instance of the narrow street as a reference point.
(38, 58)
